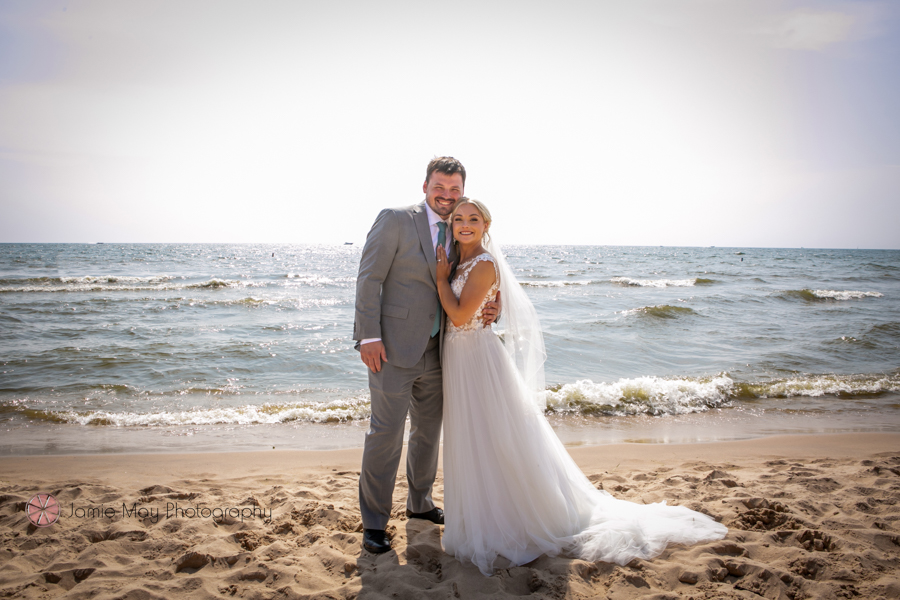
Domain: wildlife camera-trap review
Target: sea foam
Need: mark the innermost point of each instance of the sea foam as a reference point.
(655, 396)
(116, 284)
(820, 295)
(681, 395)
(844, 295)
(641, 395)
(658, 283)
(351, 409)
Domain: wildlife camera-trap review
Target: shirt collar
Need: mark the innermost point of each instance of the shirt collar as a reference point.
(433, 217)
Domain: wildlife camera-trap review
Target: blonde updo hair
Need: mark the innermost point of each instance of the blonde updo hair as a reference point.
(480, 207)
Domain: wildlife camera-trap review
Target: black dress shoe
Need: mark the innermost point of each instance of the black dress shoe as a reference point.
(435, 515)
(376, 541)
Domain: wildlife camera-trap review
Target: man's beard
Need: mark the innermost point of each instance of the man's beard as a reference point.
(440, 209)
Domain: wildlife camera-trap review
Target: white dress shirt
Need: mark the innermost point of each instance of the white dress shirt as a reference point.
(433, 220)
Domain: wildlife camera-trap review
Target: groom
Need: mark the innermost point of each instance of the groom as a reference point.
(399, 326)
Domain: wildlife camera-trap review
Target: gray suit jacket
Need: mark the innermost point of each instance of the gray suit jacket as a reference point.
(396, 289)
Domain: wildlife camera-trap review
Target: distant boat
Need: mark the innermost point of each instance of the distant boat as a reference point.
(348, 243)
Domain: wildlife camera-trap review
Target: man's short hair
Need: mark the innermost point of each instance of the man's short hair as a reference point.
(447, 165)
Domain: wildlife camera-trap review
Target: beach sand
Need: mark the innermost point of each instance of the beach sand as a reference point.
(812, 516)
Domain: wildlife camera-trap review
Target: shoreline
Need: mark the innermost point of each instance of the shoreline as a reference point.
(808, 516)
(181, 464)
(711, 426)
(805, 445)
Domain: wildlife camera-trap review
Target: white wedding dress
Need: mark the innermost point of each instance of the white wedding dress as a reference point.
(510, 488)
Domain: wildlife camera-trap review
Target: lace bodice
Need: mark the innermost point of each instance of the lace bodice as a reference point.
(459, 282)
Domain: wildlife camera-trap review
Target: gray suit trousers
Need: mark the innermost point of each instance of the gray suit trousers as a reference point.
(396, 392)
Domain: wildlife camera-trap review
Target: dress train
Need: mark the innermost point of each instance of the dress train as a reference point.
(511, 489)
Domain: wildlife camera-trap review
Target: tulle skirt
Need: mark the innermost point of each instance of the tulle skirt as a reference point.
(510, 488)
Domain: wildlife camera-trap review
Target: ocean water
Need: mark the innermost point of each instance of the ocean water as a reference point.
(186, 347)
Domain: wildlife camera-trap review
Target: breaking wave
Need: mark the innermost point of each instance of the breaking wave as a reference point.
(215, 283)
(673, 396)
(157, 283)
(659, 283)
(820, 295)
(654, 396)
(663, 311)
(85, 279)
(337, 411)
(641, 396)
(114, 284)
(821, 385)
(624, 281)
(553, 284)
(320, 280)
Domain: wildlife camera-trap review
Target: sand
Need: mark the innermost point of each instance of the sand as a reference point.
(809, 517)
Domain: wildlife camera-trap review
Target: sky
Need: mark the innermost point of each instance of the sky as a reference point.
(751, 123)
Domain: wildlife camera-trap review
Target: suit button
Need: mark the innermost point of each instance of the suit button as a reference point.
(431, 316)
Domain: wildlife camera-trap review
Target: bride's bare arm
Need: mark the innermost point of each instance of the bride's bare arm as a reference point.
(481, 278)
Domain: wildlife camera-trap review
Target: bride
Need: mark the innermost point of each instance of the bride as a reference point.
(510, 488)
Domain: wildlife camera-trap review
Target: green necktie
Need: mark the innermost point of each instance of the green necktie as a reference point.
(442, 240)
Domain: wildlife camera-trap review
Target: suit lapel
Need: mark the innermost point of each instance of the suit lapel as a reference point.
(424, 231)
